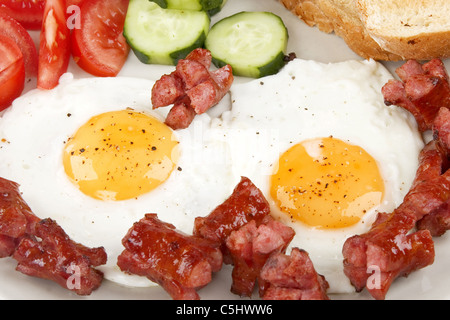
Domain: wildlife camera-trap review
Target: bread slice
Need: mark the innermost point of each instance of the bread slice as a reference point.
(412, 29)
(374, 29)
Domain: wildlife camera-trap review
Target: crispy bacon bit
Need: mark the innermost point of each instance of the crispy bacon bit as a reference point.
(42, 248)
(246, 203)
(250, 247)
(293, 277)
(422, 90)
(191, 86)
(179, 263)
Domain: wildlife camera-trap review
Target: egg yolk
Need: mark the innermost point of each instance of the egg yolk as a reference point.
(120, 155)
(326, 183)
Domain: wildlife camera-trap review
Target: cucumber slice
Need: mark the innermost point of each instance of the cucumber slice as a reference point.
(164, 36)
(253, 43)
(210, 6)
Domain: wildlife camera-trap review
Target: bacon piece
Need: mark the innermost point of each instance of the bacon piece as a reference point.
(180, 263)
(422, 90)
(51, 254)
(191, 85)
(42, 248)
(250, 247)
(246, 203)
(293, 277)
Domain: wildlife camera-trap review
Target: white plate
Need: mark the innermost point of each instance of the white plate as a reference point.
(432, 282)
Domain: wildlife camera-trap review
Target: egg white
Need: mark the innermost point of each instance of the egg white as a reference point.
(38, 124)
(308, 99)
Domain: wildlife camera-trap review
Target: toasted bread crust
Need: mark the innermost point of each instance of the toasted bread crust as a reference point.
(344, 18)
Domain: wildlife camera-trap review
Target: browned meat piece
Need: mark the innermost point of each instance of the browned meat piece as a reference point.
(42, 248)
(192, 73)
(375, 259)
(209, 92)
(180, 115)
(7, 246)
(435, 180)
(250, 247)
(16, 218)
(389, 249)
(191, 85)
(293, 277)
(246, 203)
(51, 254)
(422, 90)
(180, 263)
(167, 90)
(392, 248)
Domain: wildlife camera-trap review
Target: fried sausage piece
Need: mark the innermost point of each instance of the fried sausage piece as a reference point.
(250, 246)
(422, 90)
(246, 203)
(50, 254)
(42, 248)
(179, 263)
(293, 277)
(191, 86)
(389, 250)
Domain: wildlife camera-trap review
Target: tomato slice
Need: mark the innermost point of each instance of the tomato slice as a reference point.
(12, 71)
(99, 46)
(27, 12)
(54, 47)
(11, 28)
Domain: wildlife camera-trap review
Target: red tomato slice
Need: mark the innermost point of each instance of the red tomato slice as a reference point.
(14, 30)
(27, 12)
(12, 71)
(99, 46)
(73, 2)
(54, 48)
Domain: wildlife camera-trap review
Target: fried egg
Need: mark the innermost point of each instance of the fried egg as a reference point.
(93, 155)
(327, 153)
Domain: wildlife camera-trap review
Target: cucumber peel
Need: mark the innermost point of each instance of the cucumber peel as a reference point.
(210, 6)
(253, 43)
(164, 36)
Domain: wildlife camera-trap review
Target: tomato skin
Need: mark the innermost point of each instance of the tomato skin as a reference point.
(12, 71)
(11, 28)
(54, 48)
(27, 12)
(99, 46)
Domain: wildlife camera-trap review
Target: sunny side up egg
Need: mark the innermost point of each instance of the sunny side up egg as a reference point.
(327, 153)
(93, 155)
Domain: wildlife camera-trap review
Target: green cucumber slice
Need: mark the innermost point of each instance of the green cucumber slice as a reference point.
(210, 6)
(164, 36)
(253, 43)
